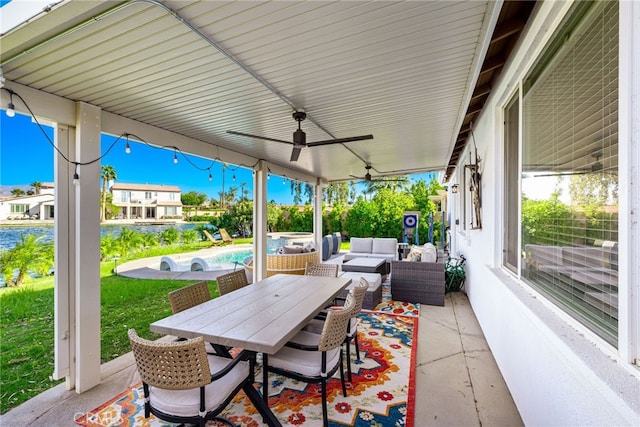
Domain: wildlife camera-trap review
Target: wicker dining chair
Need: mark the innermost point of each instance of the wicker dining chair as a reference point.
(358, 293)
(312, 358)
(189, 296)
(319, 269)
(184, 384)
(231, 281)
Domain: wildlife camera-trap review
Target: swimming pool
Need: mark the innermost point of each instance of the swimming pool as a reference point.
(231, 258)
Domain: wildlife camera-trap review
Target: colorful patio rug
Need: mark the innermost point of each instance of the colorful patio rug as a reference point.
(396, 307)
(381, 394)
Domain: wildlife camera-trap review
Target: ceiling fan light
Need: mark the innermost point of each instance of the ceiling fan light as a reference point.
(299, 137)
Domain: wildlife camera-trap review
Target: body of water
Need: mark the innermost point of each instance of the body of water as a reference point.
(10, 235)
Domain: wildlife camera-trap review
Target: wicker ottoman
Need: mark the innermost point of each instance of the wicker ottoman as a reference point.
(373, 296)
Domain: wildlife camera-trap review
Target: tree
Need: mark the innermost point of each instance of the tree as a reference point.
(193, 198)
(17, 192)
(273, 216)
(298, 189)
(29, 254)
(107, 173)
(37, 186)
(170, 236)
(338, 193)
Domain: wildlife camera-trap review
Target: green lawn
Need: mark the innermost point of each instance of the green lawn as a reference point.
(26, 324)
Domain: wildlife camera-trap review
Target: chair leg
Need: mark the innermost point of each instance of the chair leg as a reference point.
(325, 414)
(348, 348)
(357, 346)
(344, 386)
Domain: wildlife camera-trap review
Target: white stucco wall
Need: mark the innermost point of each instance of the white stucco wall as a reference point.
(556, 370)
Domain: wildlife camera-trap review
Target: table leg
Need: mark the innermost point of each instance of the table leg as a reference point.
(261, 406)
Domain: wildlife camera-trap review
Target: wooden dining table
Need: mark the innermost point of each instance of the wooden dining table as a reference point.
(259, 318)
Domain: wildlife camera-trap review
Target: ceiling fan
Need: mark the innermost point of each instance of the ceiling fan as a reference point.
(300, 138)
(368, 178)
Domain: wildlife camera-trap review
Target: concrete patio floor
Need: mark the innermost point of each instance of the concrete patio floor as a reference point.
(457, 380)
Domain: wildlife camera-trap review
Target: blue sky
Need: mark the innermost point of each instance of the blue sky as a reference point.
(27, 156)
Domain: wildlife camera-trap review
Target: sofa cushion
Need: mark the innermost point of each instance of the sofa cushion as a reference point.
(429, 253)
(309, 247)
(293, 249)
(361, 244)
(385, 245)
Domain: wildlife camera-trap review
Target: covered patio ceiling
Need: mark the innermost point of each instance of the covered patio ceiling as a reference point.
(412, 74)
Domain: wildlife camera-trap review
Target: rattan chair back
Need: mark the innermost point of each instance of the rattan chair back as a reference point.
(359, 293)
(334, 330)
(232, 281)
(189, 296)
(178, 365)
(319, 269)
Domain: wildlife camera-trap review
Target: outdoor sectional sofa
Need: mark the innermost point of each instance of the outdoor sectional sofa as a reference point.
(376, 247)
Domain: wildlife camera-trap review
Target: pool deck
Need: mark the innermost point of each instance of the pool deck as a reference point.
(139, 269)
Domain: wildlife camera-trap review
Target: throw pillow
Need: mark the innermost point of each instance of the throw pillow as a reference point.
(293, 249)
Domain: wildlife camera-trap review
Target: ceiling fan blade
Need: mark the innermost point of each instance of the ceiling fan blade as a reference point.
(259, 137)
(339, 140)
(295, 153)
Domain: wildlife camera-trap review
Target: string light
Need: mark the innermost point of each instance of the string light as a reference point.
(76, 177)
(127, 149)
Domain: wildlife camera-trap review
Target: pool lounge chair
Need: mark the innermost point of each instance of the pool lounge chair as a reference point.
(226, 238)
(214, 242)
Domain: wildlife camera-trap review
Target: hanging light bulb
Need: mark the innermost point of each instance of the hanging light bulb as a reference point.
(210, 177)
(284, 180)
(175, 157)
(76, 177)
(234, 177)
(127, 148)
(11, 109)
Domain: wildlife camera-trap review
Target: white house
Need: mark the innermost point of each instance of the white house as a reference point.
(145, 201)
(37, 206)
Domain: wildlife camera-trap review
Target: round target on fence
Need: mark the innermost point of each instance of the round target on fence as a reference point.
(410, 221)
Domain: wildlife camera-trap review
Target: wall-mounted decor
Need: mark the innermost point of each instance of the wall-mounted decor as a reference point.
(472, 171)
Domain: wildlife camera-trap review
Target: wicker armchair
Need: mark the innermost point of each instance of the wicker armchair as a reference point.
(189, 296)
(183, 384)
(312, 358)
(231, 281)
(419, 281)
(318, 269)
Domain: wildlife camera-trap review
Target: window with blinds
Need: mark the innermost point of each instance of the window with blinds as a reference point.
(569, 199)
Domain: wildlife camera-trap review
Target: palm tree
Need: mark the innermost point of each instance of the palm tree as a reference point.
(37, 185)
(107, 173)
(28, 255)
(17, 192)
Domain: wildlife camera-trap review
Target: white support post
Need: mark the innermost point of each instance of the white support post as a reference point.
(64, 237)
(629, 187)
(87, 249)
(260, 222)
(317, 214)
